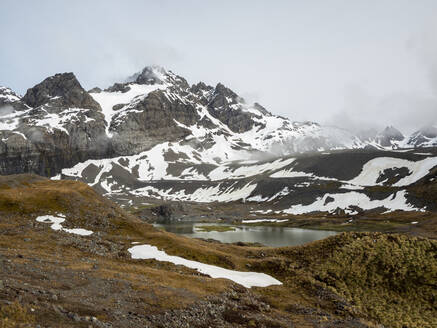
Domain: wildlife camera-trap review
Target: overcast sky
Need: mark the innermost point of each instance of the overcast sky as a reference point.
(361, 63)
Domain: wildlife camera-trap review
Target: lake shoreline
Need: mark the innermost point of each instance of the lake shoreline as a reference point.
(268, 235)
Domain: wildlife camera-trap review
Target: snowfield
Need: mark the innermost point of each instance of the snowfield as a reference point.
(226, 172)
(201, 195)
(246, 279)
(347, 200)
(374, 168)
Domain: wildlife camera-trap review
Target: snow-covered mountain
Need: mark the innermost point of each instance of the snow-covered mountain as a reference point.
(425, 137)
(216, 118)
(153, 107)
(156, 136)
(57, 123)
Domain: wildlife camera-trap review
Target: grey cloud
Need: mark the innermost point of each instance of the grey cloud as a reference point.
(339, 62)
(6, 110)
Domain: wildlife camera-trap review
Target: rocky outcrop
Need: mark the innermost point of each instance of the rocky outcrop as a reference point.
(60, 91)
(225, 106)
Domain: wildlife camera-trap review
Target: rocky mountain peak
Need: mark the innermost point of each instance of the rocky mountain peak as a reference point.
(223, 91)
(389, 136)
(201, 87)
(62, 90)
(150, 75)
(392, 131)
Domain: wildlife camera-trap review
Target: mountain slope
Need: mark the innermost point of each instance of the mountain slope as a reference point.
(57, 123)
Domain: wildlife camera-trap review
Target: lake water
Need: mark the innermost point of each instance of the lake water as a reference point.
(269, 236)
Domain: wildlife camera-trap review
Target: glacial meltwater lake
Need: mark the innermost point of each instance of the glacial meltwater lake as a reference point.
(269, 236)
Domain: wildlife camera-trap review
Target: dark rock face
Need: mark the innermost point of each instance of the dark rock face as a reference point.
(391, 176)
(225, 105)
(65, 127)
(61, 90)
(118, 87)
(46, 153)
(151, 122)
(167, 213)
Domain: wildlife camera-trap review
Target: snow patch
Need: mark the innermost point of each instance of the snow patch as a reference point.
(264, 220)
(374, 168)
(347, 201)
(201, 195)
(56, 224)
(247, 279)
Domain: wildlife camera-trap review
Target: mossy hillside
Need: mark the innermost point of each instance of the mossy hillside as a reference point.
(392, 279)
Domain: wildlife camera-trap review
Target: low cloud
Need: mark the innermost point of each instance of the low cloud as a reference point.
(406, 110)
(6, 110)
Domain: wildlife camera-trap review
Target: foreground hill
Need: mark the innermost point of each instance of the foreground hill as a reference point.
(79, 271)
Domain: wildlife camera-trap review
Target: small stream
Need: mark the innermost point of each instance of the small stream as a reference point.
(269, 236)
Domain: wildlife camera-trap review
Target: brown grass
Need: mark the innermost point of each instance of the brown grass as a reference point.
(15, 315)
(384, 278)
